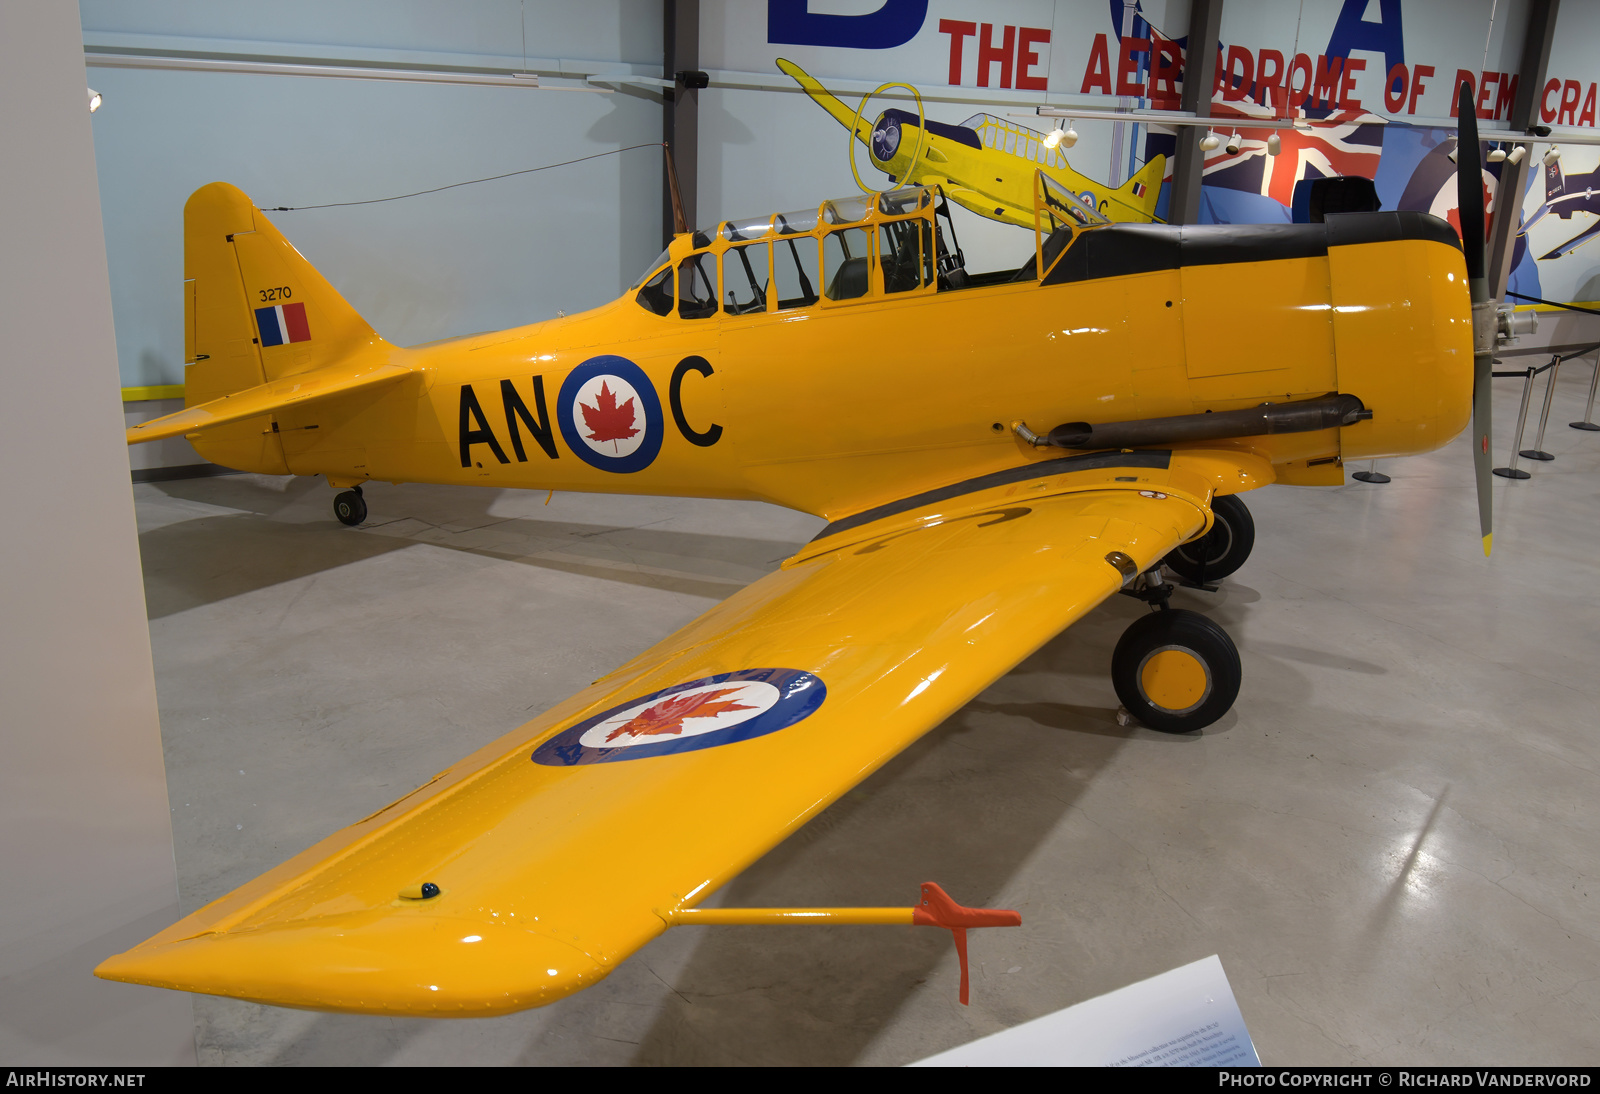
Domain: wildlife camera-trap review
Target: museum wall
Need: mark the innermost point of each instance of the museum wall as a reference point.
(490, 256)
(764, 144)
(509, 252)
(85, 831)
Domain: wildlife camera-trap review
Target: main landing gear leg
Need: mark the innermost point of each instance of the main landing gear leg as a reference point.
(350, 507)
(1175, 670)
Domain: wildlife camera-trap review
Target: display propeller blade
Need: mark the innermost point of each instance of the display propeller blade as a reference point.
(1470, 212)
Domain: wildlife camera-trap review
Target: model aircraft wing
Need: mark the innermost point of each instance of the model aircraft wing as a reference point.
(1574, 243)
(830, 102)
(558, 850)
(340, 379)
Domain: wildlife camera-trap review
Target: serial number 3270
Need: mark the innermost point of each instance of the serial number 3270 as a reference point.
(280, 293)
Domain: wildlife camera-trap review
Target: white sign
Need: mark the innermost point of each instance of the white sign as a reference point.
(1183, 1018)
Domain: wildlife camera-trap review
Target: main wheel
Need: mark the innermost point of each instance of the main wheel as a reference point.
(1220, 551)
(350, 507)
(1176, 671)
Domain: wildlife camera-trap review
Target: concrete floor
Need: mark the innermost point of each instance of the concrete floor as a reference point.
(1391, 840)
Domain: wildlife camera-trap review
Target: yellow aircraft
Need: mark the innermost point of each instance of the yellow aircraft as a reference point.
(824, 360)
(985, 164)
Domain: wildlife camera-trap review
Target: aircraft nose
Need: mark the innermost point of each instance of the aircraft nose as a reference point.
(371, 964)
(885, 138)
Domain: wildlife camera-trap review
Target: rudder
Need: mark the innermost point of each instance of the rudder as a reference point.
(255, 311)
(1144, 189)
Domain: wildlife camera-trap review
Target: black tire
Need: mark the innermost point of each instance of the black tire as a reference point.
(350, 507)
(1181, 693)
(1220, 551)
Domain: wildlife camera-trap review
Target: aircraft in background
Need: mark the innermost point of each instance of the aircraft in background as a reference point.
(996, 454)
(1564, 196)
(985, 164)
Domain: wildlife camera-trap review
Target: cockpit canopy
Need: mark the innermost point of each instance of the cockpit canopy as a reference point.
(859, 247)
(843, 249)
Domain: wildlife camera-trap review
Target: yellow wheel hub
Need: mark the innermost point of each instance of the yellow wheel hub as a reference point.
(1174, 680)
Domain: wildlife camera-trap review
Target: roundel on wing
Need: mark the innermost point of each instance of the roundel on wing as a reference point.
(705, 713)
(610, 415)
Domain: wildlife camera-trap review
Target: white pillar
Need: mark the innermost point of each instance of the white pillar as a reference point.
(86, 865)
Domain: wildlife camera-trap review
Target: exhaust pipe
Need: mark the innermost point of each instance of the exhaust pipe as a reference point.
(1305, 416)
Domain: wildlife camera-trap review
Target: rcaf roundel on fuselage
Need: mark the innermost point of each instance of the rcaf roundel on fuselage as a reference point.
(705, 713)
(610, 415)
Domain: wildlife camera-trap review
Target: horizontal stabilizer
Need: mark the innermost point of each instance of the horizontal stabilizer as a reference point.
(267, 398)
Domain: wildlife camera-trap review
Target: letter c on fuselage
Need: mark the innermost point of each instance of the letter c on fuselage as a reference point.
(690, 364)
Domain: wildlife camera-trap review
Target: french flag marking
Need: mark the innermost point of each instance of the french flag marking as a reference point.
(1138, 189)
(283, 323)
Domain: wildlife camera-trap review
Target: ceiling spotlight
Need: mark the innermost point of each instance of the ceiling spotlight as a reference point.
(1067, 136)
(1552, 156)
(95, 99)
(1274, 145)
(1516, 154)
(1232, 147)
(1497, 155)
(1210, 141)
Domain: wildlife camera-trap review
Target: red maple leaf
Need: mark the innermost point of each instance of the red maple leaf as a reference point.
(606, 420)
(669, 715)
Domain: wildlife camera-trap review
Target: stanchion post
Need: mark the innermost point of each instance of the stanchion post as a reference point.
(1537, 452)
(1588, 411)
(1513, 472)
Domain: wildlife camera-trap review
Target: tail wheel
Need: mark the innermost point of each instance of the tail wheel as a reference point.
(1220, 551)
(1176, 671)
(350, 507)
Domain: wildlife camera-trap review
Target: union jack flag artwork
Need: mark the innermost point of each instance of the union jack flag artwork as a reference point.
(1346, 142)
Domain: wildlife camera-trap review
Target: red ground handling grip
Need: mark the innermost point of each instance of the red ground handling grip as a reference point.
(938, 910)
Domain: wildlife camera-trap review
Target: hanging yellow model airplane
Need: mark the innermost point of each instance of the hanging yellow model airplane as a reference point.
(985, 164)
(836, 361)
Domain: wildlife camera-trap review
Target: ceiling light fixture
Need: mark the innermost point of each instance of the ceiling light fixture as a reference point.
(1232, 147)
(1516, 154)
(95, 99)
(1210, 141)
(1274, 145)
(1552, 157)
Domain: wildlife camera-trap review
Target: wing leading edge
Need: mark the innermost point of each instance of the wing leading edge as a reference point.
(564, 846)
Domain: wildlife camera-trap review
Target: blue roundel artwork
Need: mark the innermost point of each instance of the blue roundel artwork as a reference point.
(610, 415)
(716, 710)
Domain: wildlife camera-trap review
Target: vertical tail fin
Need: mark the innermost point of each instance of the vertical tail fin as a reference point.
(1555, 184)
(1143, 190)
(254, 311)
(258, 311)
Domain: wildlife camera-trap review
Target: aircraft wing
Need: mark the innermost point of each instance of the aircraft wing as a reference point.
(566, 845)
(843, 114)
(1574, 243)
(323, 383)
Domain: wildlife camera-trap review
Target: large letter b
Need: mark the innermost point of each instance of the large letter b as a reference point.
(894, 24)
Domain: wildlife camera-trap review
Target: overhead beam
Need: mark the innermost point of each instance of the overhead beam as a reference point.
(680, 41)
(1536, 41)
(1199, 73)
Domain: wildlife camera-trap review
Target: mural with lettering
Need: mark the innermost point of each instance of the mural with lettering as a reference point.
(1349, 65)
